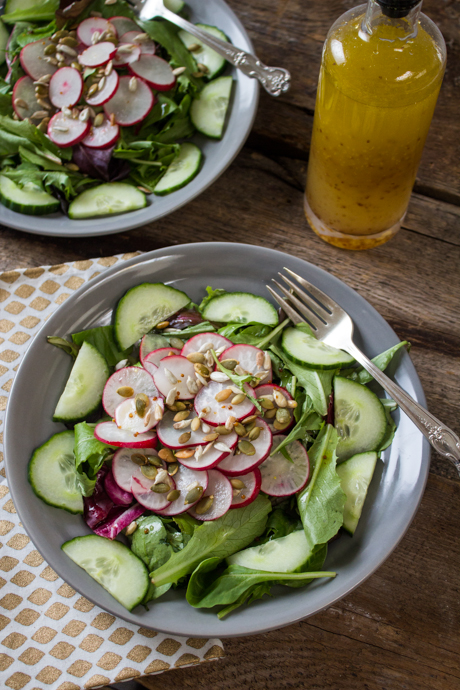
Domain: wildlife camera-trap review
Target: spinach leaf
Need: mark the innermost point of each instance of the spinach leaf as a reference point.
(203, 327)
(33, 11)
(219, 538)
(281, 522)
(63, 344)
(381, 361)
(211, 293)
(103, 340)
(150, 542)
(389, 406)
(252, 333)
(309, 420)
(90, 455)
(321, 503)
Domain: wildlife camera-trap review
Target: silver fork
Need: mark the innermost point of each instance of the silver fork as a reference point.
(275, 80)
(334, 326)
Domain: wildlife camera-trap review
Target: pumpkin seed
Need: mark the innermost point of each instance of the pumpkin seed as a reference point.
(270, 414)
(132, 527)
(229, 363)
(166, 454)
(246, 448)
(196, 358)
(283, 416)
(177, 343)
(195, 424)
(223, 395)
(210, 437)
(185, 454)
(266, 403)
(181, 406)
(173, 468)
(50, 49)
(173, 495)
(252, 418)
(149, 471)
(193, 495)
(180, 416)
(238, 399)
(184, 438)
(193, 48)
(254, 433)
(249, 427)
(125, 391)
(59, 34)
(69, 41)
(139, 459)
(202, 67)
(222, 430)
(141, 401)
(240, 430)
(153, 460)
(201, 369)
(160, 488)
(237, 484)
(204, 505)
(162, 324)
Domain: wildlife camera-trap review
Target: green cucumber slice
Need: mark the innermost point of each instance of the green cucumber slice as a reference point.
(209, 108)
(113, 565)
(52, 474)
(312, 353)
(29, 199)
(142, 308)
(284, 555)
(107, 199)
(360, 418)
(206, 56)
(4, 36)
(355, 476)
(240, 307)
(181, 171)
(82, 394)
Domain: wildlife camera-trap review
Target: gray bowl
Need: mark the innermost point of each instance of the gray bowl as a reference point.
(217, 154)
(394, 494)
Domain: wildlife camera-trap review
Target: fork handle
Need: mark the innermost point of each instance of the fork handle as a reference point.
(275, 80)
(443, 439)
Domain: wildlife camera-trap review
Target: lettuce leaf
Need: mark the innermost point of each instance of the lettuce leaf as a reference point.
(103, 340)
(211, 293)
(33, 11)
(90, 455)
(309, 420)
(381, 361)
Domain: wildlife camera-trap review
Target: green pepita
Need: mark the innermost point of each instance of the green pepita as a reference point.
(184, 438)
(249, 427)
(254, 433)
(139, 459)
(202, 370)
(278, 426)
(173, 495)
(180, 416)
(222, 395)
(193, 495)
(237, 484)
(204, 505)
(153, 460)
(149, 471)
(266, 403)
(222, 430)
(252, 418)
(239, 429)
(246, 448)
(229, 363)
(195, 425)
(173, 468)
(238, 399)
(196, 358)
(125, 391)
(160, 488)
(142, 402)
(270, 414)
(167, 455)
(283, 416)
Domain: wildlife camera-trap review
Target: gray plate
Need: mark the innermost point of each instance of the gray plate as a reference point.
(217, 154)
(394, 494)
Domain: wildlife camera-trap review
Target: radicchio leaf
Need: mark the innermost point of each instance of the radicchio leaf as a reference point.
(100, 164)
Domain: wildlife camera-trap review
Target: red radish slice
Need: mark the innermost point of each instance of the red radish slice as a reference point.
(169, 436)
(281, 477)
(109, 433)
(234, 465)
(252, 482)
(218, 412)
(172, 374)
(269, 389)
(124, 469)
(65, 131)
(118, 495)
(153, 359)
(211, 457)
(126, 53)
(155, 71)
(146, 497)
(186, 479)
(66, 87)
(123, 24)
(129, 377)
(102, 137)
(204, 342)
(33, 61)
(97, 55)
(147, 47)
(126, 416)
(24, 90)
(106, 93)
(221, 491)
(251, 359)
(130, 107)
(88, 27)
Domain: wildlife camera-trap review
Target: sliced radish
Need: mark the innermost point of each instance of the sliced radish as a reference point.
(97, 55)
(142, 490)
(172, 374)
(155, 71)
(204, 342)
(152, 360)
(281, 477)
(269, 389)
(33, 61)
(106, 93)
(127, 418)
(147, 47)
(109, 433)
(66, 87)
(65, 131)
(130, 107)
(123, 24)
(24, 90)
(211, 457)
(102, 137)
(251, 359)
(88, 27)
(186, 479)
(169, 436)
(249, 492)
(136, 378)
(124, 469)
(234, 465)
(219, 494)
(214, 412)
(118, 495)
(126, 53)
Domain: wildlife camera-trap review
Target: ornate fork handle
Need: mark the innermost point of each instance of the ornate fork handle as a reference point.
(275, 80)
(443, 439)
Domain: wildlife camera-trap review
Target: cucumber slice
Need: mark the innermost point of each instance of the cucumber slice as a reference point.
(206, 56)
(82, 394)
(181, 171)
(284, 555)
(4, 36)
(209, 108)
(174, 5)
(240, 307)
(29, 199)
(142, 307)
(52, 473)
(107, 199)
(355, 476)
(306, 350)
(360, 418)
(113, 565)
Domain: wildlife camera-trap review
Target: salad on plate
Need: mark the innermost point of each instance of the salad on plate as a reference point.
(212, 448)
(96, 107)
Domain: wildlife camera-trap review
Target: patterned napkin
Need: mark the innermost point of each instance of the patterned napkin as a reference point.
(51, 637)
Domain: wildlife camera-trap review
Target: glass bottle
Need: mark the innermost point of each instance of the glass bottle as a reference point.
(381, 71)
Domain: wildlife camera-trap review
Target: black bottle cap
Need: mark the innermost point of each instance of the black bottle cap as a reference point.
(397, 8)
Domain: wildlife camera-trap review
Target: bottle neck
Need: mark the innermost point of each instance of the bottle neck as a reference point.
(378, 14)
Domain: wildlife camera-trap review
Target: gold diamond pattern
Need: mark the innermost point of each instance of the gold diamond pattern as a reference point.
(51, 636)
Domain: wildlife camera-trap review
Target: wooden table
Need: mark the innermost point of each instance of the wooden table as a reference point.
(401, 628)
